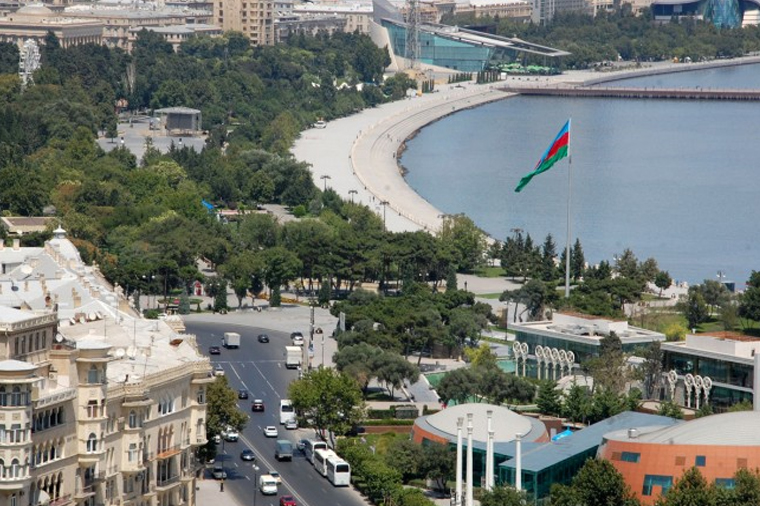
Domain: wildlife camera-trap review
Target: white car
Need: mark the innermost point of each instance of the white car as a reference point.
(291, 424)
(218, 370)
(276, 476)
(298, 340)
(270, 431)
(231, 435)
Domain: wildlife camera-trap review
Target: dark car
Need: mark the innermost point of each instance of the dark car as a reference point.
(263, 338)
(301, 444)
(242, 394)
(214, 350)
(257, 405)
(247, 455)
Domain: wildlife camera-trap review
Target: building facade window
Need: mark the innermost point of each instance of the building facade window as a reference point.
(92, 443)
(700, 461)
(630, 457)
(651, 481)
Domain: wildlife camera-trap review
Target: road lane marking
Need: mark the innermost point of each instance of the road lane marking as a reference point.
(267, 465)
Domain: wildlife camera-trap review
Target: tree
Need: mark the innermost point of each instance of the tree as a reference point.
(662, 281)
(749, 306)
(535, 295)
(651, 369)
(694, 308)
(577, 261)
(503, 496)
(598, 483)
(276, 266)
(577, 404)
(671, 409)
(482, 357)
(405, 456)
(358, 362)
(549, 401)
(465, 240)
(437, 464)
(691, 489)
(394, 370)
(548, 256)
(221, 408)
(458, 385)
(627, 265)
(220, 299)
(184, 303)
(328, 400)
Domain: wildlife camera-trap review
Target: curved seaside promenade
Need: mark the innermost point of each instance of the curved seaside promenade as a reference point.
(356, 155)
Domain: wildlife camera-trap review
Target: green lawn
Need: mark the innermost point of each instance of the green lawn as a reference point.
(489, 272)
(489, 295)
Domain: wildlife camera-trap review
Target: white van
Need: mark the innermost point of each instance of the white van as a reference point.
(268, 484)
(320, 124)
(312, 446)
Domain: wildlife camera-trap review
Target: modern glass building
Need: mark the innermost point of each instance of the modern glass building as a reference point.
(466, 50)
(727, 359)
(582, 335)
(721, 13)
(544, 464)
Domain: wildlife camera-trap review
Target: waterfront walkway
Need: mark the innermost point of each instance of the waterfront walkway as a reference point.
(357, 156)
(629, 92)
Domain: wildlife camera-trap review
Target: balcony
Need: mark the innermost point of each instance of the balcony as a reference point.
(84, 492)
(166, 484)
(169, 452)
(64, 499)
(54, 398)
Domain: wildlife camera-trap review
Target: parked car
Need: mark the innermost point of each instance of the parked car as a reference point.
(242, 393)
(263, 338)
(257, 405)
(218, 370)
(270, 431)
(214, 350)
(287, 500)
(291, 424)
(247, 455)
(219, 472)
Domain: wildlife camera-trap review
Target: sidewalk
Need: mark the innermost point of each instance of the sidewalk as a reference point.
(207, 494)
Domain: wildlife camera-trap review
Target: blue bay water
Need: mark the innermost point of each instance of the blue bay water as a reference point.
(675, 180)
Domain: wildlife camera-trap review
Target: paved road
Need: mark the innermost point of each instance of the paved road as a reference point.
(259, 368)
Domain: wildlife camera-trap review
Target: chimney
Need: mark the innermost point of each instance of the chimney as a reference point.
(633, 433)
(16, 243)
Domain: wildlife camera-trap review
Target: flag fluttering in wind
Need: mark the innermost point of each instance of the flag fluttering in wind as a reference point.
(556, 152)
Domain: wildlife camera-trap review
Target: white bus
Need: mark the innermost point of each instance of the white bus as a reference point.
(311, 446)
(338, 472)
(320, 460)
(286, 411)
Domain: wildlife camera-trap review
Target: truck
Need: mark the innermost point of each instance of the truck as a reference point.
(283, 450)
(293, 357)
(231, 340)
(268, 484)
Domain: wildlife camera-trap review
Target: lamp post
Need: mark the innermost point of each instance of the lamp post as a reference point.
(255, 480)
(384, 203)
(352, 193)
(324, 179)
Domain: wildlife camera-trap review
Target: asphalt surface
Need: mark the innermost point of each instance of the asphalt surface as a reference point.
(259, 368)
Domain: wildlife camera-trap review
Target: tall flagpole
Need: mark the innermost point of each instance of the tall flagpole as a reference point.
(569, 194)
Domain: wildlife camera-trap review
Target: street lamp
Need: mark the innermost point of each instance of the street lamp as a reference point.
(255, 484)
(352, 193)
(384, 203)
(324, 179)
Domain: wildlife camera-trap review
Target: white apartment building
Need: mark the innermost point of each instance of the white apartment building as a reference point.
(97, 405)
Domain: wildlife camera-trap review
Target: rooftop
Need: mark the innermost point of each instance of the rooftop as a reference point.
(588, 329)
(539, 456)
(725, 429)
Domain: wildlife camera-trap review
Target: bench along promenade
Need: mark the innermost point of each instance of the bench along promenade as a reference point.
(563, 90)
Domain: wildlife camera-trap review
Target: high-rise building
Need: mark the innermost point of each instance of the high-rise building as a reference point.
(98, 406)
(253, 18)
